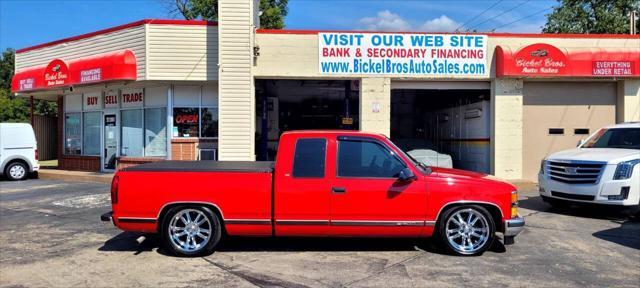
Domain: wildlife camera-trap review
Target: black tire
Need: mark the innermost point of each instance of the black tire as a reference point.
(171, 246)
(485, 219)
(16, 165)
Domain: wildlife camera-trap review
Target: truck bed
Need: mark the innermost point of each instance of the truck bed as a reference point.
(204, 166)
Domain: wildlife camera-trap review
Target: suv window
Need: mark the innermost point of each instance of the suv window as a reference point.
(309, 158)
(358, 158)
(627, 138)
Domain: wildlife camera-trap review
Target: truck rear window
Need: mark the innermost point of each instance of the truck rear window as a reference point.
(309, 158)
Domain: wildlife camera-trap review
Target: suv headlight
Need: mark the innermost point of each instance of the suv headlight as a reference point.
(542, 164)
(625, 169)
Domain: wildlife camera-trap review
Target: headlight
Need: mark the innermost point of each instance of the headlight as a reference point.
(514, 204)
(542, 164)
(625, 169)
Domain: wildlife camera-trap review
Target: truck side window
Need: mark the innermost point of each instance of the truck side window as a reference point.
(366, 159)
(309, 158)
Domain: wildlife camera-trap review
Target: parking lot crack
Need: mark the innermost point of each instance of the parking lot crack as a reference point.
(379, 272)
(259, 280)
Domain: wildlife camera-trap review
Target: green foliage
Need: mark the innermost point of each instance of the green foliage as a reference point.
(272, 17)
(13, 109)
(591, 16)
(16, 109)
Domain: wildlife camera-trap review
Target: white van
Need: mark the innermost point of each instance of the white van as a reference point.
(18, 151)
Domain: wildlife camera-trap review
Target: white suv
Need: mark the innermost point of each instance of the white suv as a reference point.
(603, 169)
(18, 151)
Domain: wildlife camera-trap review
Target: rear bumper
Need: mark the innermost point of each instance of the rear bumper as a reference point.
(107, 217)
(513, 226)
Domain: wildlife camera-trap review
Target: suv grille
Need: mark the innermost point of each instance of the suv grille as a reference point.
(575, 172)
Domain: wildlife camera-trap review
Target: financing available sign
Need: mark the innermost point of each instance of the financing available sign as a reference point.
(406, 54)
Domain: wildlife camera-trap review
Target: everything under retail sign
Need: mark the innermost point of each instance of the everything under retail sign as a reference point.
(407, 54)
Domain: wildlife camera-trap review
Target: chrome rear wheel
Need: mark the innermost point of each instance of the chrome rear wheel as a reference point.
(190, 230)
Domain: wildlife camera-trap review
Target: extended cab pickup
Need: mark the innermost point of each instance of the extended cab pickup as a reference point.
(323, 183)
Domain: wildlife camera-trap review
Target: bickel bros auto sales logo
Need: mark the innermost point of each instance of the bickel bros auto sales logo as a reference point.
(541, 59)
(57, 73)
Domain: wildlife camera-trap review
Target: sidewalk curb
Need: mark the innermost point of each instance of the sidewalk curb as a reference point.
(74, 176)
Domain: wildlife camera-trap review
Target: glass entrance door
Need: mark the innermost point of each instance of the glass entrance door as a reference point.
(111, 127)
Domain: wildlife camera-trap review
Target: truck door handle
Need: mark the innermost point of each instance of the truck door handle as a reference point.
(338, 190)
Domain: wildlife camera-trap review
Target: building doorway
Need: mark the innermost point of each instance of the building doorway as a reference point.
(454, 121)
(111, 139)
(285, 105)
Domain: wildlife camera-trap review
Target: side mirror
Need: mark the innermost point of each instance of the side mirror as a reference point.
(580, 142)
(406, 175)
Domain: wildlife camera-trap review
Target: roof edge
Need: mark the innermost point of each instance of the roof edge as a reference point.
(516, 35)
(118, 28)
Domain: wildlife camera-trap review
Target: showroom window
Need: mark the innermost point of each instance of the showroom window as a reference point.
(91, 133)
(131, 133)
(195, 112)
(155, 131)
(72, 134)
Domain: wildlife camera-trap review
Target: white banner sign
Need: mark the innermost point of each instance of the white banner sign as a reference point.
(111, 99)
(132, 98)
(92, 101)
(430, 55)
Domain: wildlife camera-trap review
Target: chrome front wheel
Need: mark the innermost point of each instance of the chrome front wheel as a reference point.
(467, 230)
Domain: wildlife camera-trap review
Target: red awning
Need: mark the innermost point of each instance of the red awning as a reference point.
(113, 66)
(544, 60)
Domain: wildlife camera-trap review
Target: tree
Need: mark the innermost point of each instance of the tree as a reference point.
(16, 109)
(591, 16)
(272, 17)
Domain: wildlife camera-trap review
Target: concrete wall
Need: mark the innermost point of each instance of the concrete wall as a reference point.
(628, 106)
(506, 128)
(375, 105)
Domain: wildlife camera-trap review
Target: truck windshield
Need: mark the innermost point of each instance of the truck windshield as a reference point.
(626, 138)
(415, 162)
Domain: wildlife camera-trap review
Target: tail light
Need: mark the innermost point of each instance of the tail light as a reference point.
(114, 189)
(36, 155)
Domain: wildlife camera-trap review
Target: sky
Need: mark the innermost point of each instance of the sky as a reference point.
(25, 23)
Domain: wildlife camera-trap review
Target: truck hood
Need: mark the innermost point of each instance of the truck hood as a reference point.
(464, 174)
(609, 155)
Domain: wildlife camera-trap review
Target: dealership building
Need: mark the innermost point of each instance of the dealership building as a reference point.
(194, 90)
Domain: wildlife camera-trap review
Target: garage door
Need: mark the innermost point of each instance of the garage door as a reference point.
(558, 114)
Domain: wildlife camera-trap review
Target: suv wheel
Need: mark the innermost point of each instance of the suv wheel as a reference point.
(190, 231)
(466, 230)
(16, 171)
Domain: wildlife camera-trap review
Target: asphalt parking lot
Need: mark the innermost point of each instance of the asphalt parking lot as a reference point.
(51, 235)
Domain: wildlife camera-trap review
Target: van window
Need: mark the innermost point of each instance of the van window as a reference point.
(366, 159)
(309, 158)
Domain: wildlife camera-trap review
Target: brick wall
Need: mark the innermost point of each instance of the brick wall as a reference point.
(79, 163)
(124, 162)
(188, 148)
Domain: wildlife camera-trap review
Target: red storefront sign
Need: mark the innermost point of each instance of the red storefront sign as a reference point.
(56, 74)
(187, 119)
(113, 66)
(541, 59)
(544, 60)
(613, 68)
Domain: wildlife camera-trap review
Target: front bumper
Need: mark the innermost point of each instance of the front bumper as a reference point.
(598, 193)
(513, 226)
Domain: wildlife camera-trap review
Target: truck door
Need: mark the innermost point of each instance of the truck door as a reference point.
(366, 197)
(302, 193)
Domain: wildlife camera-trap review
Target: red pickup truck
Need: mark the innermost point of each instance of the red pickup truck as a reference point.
(323, 184)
